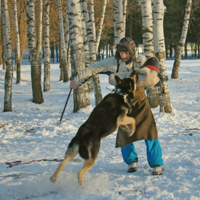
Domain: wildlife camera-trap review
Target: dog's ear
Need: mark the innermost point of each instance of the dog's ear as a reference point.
(118, 80)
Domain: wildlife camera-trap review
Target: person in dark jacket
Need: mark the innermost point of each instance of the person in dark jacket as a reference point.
(125, 61)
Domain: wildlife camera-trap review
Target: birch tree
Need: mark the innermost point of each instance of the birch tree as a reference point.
(17, 43)
(92, 49)
(180, 46)
(39, 39)
(67, 46)
(8, 57)
(64, 55)
(159, 10)
(124, 13)
(147, 28)
(81, 98)
(148, 42)
(95, 78)
(92, 18)
(86, 54)
(47, 85)
(101, 20)
(35, 72)
(67, 28)
(119, 31)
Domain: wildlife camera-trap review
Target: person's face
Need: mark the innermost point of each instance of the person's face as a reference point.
(125, 56)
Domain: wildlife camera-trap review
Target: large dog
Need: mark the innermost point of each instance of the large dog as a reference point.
(106, 117)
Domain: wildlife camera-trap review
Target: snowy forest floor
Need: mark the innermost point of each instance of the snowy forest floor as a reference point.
(30, 132)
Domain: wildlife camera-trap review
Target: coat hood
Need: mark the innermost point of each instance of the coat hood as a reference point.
(126, 44)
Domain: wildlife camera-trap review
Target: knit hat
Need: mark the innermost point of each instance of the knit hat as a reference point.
(126, 44)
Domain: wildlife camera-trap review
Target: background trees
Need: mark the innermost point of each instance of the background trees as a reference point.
(51, 37)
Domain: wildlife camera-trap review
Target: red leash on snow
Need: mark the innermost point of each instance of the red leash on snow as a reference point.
(19, 162)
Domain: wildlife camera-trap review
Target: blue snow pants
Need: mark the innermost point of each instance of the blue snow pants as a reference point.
(154, 153)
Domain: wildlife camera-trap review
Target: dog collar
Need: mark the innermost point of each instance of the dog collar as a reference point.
(125, 96)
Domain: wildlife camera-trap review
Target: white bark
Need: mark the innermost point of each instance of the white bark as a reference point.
(39, 41)
(8, 57)
(147, 27)
(17, 43)
(81, 98)
(46, 86)
(67, 28)
(92, 18)
(185, 25)
(86, 53)
(181, 43)
(85, 42)
(124, 14)
(92, 50)
(67, 46)
(119, 31)
(101, 20)
(35, 73)
(89, 30)
(64, 54)
(159, 10)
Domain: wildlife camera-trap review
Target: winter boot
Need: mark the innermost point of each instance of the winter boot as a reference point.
(132, 167)
(158, 170)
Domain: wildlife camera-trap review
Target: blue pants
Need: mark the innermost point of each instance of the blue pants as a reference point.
(154, 153)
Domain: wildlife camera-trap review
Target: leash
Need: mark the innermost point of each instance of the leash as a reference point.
(65, 106)
(19, 162)
(187, 128)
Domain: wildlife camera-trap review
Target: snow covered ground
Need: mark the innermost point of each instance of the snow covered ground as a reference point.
(30, 132)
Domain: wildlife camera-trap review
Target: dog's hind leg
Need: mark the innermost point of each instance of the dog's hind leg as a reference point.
(87, 165)
(93, 153)
(71, 152)
(127, 121)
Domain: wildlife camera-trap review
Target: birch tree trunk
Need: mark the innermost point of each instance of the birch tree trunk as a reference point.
(81, 98)
(64, 54)
(101, 20)
(92, 18)
(124, 13)
(165, 102)
(67, 28)
(86, 53)
(47, 85)
(119, 31)
(92, 50)
(35, 72)
(39, 39)
(8, 58)
(17, 43)
(147, 28)
(148, 42)
(181, 43)
(85, 42)
(67, 46)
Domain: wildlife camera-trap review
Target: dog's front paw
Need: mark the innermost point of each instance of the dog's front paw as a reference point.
(124, 128)
(129, 129)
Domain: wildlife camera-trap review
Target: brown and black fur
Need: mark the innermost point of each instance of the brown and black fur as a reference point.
(106, 117)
